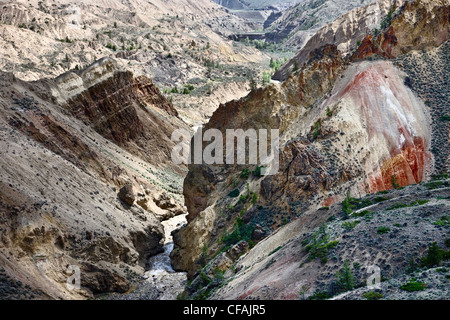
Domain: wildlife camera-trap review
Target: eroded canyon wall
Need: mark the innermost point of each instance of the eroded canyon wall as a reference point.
(346, 125)
(85, 169)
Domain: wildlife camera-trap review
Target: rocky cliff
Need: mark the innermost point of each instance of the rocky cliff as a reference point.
(345, 32)
(85, 181)
(297, 24)
(348, 126)
(128, 111)
(254, 4)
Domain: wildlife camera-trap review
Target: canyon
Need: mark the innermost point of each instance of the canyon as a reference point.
(73, 143)
(92, 93)
(349, 126)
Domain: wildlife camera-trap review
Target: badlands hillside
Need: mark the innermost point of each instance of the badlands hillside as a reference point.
(354, 120)
(86, 180)
(179, 44)
(88, 109)
(293, 27)
(91, 92)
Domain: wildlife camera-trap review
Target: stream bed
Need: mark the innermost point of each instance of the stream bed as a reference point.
(161, 282)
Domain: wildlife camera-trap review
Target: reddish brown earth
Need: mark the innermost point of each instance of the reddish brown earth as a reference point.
(408, 167)
(409, 156)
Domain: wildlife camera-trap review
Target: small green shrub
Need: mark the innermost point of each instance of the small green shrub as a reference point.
(316, 130)
(383, 230)
(413, 285)
(276, 64)
(394, 182)
(346, 206)
(254, 198)
(373, 295)
(362, 213)
(443, 221)
(319, 296)
(240, 232)
(244, 197)
(360, 203)
(386, 22)
(258, 171)
(245, 174)
(420, 202)
(380, 199)
(350, 225)
(398, 205)
(111, 46)
(271, 262)
(442, 176)
(234, 194)
(434, 185)
(275, 250)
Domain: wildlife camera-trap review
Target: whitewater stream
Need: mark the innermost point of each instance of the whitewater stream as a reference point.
(161, 281)
(161, 274)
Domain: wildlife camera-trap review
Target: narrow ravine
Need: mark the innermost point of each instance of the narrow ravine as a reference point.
(161, 276)
(161, 281)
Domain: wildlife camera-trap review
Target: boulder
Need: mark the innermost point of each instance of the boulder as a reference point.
(127, 194)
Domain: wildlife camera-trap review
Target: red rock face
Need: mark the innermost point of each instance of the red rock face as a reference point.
(366, 49)
(389, 42)
(149, 94)
(369, 46)
(407, 167)
(330, 201)
(394, 117)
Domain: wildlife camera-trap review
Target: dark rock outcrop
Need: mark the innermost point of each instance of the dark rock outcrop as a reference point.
(127, 194)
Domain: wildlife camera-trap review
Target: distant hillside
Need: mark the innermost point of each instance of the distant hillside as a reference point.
(254, 4)
(175, 43)
(345, 32)
(297, 24)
